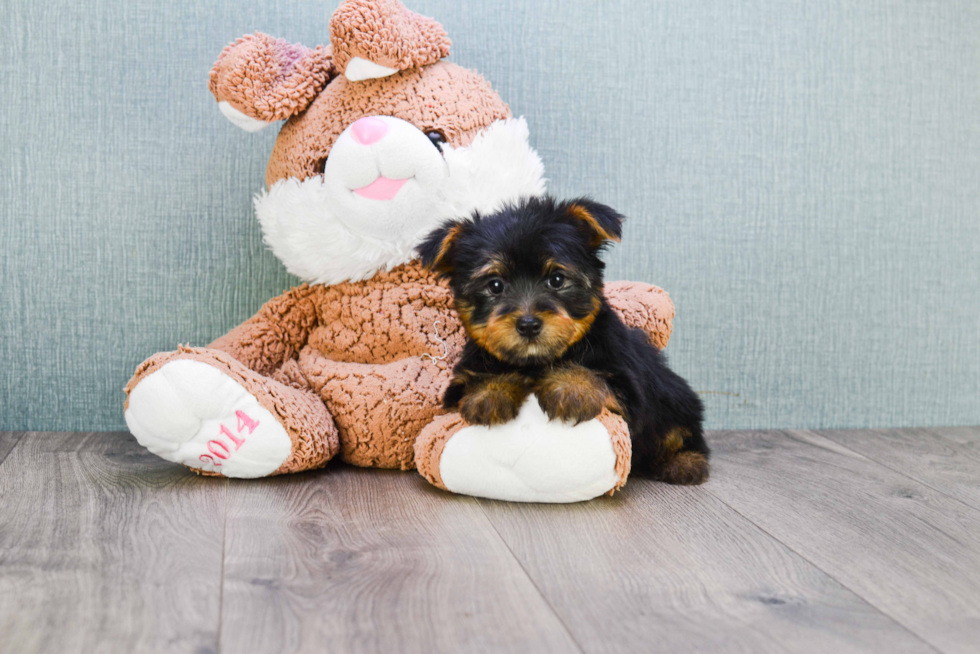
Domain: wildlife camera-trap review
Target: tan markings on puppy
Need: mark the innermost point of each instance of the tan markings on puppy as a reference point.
(560, 331)
(553, 266)
(613, 405)
(674, 440)
(495, 400)
(501, 339)
(572, 393)
(498, 335)
(493, 267)
(579, 212)
(465, 311)
(684, 468)
(439, 264)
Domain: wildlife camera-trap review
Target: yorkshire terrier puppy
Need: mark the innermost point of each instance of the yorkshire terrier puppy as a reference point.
(527, 283)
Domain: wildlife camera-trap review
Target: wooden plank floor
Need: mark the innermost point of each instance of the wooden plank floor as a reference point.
(848, 541)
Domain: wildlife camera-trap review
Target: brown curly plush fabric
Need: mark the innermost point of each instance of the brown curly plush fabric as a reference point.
(270, 79)
(442, 97)
(359, 346)
(386, 33)
(643, 306)
(622, 446)
(430, 444)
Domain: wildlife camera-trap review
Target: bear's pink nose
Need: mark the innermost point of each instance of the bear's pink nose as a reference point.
(369, 130)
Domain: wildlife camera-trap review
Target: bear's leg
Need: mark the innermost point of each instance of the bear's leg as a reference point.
(204, 409)
(530, 459)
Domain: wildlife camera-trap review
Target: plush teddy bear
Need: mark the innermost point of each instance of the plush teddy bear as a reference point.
(383, 140)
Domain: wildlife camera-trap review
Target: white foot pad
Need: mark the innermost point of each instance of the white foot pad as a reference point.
(192, 413)
(241, 120)
(531, 459)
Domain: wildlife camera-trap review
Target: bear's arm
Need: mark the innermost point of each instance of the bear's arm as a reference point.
(276, 333)
(644, 306)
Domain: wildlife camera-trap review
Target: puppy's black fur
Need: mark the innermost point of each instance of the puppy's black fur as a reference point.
(528, 286)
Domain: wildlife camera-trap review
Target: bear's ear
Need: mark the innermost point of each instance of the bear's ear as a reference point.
(377, 38)
(259, 79)
(603, 224)
(437, 249)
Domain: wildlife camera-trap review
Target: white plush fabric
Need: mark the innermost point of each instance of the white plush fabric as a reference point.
(177, 411)
(531, 459)
(325, 233)
(359, 69)
(239, 119)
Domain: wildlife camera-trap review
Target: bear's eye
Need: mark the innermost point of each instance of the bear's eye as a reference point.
(495, 286)
(556, 281)
(437, 138)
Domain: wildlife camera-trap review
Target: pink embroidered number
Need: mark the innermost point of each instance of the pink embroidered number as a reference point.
(219, 449)
(212, 448)
(236, 440)
(246, 421)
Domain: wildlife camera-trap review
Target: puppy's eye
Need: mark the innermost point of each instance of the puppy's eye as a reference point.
(556, 281)
(437, 138)
(495, 286)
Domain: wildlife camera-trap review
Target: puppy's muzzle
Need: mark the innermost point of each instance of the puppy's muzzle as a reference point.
(529, 326)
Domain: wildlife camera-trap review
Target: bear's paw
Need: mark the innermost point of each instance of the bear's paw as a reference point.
(191, 413)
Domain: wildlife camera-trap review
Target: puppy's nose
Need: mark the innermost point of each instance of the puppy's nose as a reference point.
(369, 130)
(528, 326)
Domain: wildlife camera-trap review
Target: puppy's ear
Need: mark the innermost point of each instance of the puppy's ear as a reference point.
(603, 224)
(436, 250)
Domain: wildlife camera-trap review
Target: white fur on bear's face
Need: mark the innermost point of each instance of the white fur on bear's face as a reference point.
(403, 153)
(324, 232)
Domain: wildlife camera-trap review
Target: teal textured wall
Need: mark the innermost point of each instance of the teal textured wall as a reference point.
(803, 178)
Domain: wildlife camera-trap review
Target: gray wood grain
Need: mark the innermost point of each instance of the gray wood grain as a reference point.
(373, 561)
(667, 569)
(8, 439)
(909, 550)
(963, 435)
(106, 548)
(799, 543)
(946, 460)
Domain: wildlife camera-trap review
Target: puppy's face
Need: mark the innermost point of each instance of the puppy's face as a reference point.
(527, 280)
(531, 310)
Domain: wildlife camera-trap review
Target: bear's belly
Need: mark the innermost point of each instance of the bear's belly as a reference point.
(363, 335)
(393, 316)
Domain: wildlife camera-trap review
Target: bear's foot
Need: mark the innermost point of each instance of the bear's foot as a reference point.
(205, 410)
(531, 459)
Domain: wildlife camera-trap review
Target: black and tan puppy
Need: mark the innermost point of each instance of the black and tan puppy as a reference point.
(527, 283)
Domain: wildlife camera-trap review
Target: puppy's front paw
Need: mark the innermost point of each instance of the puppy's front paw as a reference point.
(494, 401)
(572, 393)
